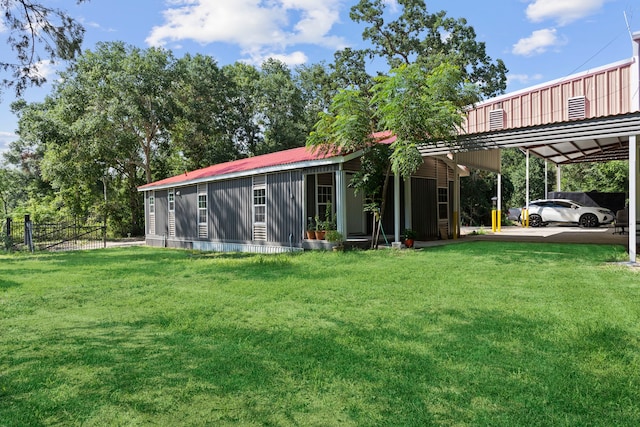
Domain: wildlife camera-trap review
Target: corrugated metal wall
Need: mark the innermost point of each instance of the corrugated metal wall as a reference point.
(187, 213)
(162, 213)
(230, 209)
(607, 92)
(424, 207)
(284, 207)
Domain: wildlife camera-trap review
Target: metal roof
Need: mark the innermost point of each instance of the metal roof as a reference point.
(589, 140)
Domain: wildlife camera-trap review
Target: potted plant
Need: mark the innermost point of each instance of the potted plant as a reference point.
(320, 228)
(409, 237)
(336, 237)
(311, 229)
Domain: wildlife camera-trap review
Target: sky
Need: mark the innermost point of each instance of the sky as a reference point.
(539, 40)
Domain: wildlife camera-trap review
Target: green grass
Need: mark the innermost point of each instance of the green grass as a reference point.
(471, 334)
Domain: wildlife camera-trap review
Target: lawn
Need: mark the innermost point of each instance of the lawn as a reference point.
(471, 334)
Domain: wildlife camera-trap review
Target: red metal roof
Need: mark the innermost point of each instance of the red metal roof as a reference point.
(280, 158)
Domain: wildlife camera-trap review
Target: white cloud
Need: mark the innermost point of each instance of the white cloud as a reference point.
(538, 42)
(43, 69)
(6, 138)
(562, 11)
(257, 27)
(392, 4)
(524, 79)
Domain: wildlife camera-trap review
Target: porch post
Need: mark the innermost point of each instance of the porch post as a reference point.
(558, 178)
(407, 203)
(455, 221)
(341, 202)
(396, 207)
(633, 196)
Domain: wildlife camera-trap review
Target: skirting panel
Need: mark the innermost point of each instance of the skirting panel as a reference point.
(242, 247)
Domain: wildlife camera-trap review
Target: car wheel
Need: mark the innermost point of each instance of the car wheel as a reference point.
(535, 220)
(588, 220)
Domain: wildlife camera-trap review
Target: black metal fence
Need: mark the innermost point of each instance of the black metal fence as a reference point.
(63, 236)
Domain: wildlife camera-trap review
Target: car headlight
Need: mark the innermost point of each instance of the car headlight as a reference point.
(605, 212)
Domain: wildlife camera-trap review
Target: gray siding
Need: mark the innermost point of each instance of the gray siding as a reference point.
(187, 213)
(284, 207)
(424, 207)
(230, 209)
(162, 213)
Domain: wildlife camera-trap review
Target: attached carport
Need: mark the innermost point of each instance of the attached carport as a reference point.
(589, 140)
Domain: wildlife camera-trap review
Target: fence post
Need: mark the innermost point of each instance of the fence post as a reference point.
(8, 228)
(26, 228)
(28, 233)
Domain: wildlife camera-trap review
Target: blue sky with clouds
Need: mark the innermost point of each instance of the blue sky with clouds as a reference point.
(539, 40)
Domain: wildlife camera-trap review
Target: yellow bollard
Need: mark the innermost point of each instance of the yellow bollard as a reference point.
(524, 217)
(493, 220)
(499, 215)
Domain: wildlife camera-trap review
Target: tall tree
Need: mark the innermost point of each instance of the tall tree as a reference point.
(281, 116)
(36, 33)
(205, 125)
(245, 92)
(422, 37)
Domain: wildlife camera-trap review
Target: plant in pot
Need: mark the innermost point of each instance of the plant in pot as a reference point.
(336, 237)
(409, 237)
(311, 228)
(320, 228)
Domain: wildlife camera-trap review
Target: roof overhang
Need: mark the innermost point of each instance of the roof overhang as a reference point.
(598, 139)
(251, 172)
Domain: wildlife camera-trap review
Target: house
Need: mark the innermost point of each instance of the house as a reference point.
(262, 203)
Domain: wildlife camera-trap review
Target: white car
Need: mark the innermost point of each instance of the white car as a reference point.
(543, 212)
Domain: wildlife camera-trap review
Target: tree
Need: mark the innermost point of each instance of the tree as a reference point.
(422, 37)
(31, 27)
(281, 109)
(245, 90)
(610, 176)
(514, 169)
(204, 128)
(417, 104)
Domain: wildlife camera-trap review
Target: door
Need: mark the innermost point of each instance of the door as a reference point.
(356, 219)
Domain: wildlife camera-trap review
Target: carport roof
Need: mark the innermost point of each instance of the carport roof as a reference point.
(578, 141)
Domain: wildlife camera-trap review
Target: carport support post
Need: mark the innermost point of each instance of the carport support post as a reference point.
(633, 196)
(525, 221)
(499, 213)
(558, 178)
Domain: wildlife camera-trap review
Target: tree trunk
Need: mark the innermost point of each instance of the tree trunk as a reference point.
(383, 204)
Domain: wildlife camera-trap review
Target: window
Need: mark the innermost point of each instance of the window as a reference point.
(203, 230)
(202, 208)
(443, 203)
(152, 213)
(172, 212)
(172, 200)
(325, 199)
(260, 207)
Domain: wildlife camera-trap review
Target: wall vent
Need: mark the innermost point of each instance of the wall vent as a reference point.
(259, 232)
(577, 108)
(496, 119)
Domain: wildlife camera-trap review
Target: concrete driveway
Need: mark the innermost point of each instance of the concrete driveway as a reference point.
(551, 234)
